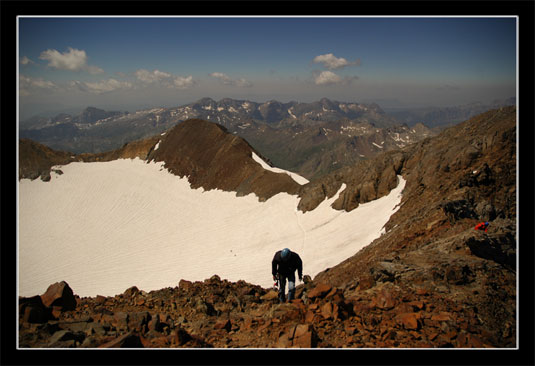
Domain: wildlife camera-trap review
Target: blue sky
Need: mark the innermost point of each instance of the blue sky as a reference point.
(129, 63)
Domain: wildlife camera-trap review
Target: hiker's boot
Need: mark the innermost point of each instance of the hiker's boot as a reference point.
(291, 295)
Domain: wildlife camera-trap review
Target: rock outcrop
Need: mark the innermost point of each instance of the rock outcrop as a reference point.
(212, 158)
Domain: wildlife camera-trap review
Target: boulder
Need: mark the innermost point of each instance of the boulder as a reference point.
(223, 324)
(384, 300)
(410, 321)
(271, 295)
(299, 336)
(320, 290)
(32, 310)
(120, 320)
(131, 292)
(138, 321)
(185, 284)
(59, 295)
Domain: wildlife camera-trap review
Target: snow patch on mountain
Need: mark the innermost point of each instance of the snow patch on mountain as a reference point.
(299, 179)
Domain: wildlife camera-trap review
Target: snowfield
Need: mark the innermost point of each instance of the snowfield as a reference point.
(106, 226)
(296, 177)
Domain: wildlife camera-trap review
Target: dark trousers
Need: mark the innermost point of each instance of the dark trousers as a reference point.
(282, 286)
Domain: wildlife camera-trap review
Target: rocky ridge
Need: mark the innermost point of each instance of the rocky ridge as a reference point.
(429, 281)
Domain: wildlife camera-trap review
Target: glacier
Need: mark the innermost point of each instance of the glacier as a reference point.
(106, 226)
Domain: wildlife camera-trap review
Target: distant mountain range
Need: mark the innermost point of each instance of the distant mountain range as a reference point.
(308, 138)
(442, 117)
(311, 139)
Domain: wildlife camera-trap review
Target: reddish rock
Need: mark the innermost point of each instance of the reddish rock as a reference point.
(306, 340)
(129, 340)
(327, 310)
(223, 324)
(265, 325)
(56, 311)
(59, 294)
(417, 305)
(389, 334)
(310, 316)
(320, 290)
(366, 283)
(271, 295)
(350, 330)
(443, 316)
(284, 341)
(383, 300)
(130, 292)
(184, 284)
(409, 320)
(451, 335)
(299, 336)
(120, 320)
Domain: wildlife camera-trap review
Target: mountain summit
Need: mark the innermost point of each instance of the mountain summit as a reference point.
(212, 158)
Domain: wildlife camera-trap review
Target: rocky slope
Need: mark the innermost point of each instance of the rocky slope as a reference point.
(430, 281)
(212, 158)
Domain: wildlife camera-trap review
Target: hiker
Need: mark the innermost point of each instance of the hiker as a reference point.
(283, 267)
(482, 226)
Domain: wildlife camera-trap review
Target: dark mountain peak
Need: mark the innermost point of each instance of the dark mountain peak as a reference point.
(92, 115)
(328, 103)
(212, 158)
(92, 110)
(376, 108)
(205, 100)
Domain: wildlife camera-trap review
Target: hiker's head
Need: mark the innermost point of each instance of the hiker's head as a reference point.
(285, 254)
(486, 224)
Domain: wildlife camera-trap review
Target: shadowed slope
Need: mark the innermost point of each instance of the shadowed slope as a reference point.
(214, 159)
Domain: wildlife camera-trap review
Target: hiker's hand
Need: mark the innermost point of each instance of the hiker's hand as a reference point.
(301, 278)
(274, 278)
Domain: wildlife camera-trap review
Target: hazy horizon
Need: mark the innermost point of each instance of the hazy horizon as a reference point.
(131, 63)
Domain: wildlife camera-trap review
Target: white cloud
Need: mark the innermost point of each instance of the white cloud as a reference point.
(27, 85)
(183, 82)
(332, 62)
(100, 87)
(25, 61)
(72, 60)
(330, 78)
(164, 78)
(326, 78)
(227, 80)
(243, 83)
(151, 76)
